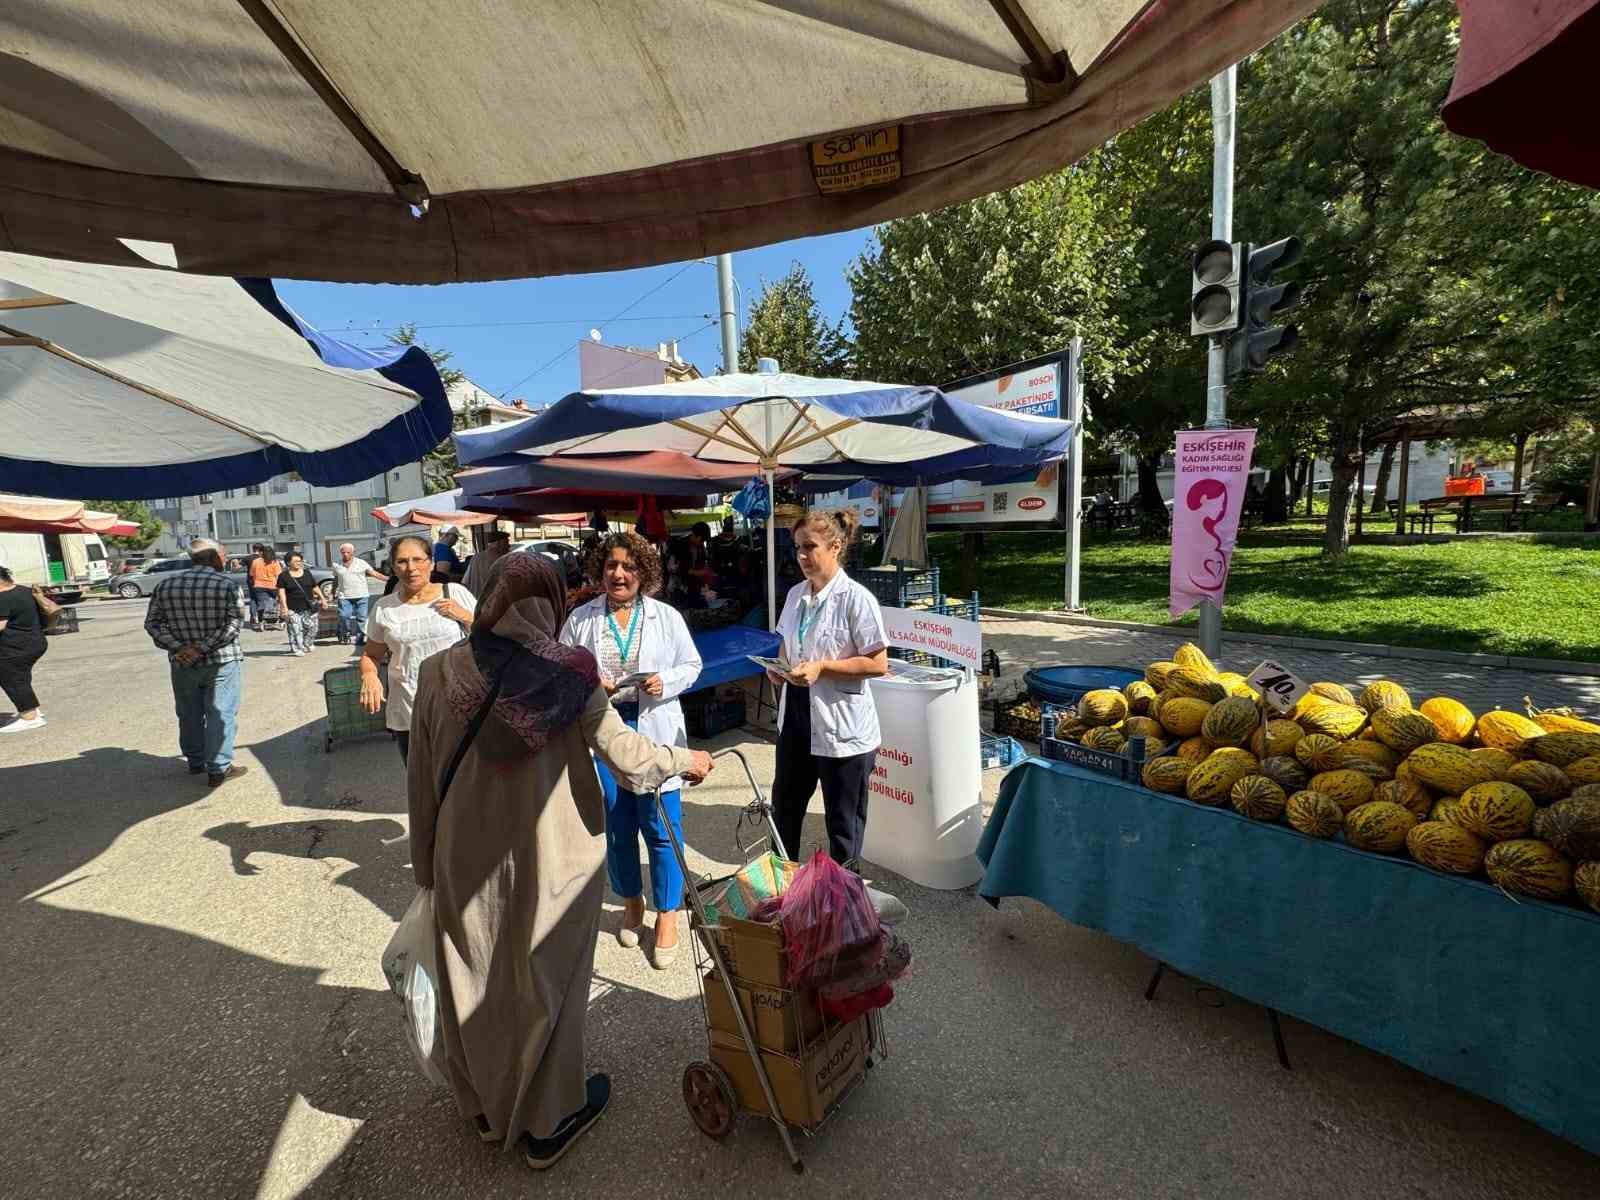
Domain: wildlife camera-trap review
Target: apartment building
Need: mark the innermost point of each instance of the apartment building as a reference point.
(286, 512)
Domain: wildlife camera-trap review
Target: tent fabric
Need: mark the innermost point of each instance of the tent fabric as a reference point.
(658, 473)
(36, 514)
(202, 139)
(773, 419)
(190, 385)
(907, 539)
(1522, 83)
(442, 508)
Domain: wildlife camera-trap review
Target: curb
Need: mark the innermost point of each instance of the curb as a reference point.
(1547, 666)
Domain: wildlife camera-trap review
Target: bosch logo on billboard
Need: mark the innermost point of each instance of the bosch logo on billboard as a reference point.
(1030, 503)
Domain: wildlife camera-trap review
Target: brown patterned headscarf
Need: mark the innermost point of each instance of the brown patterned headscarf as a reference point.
(544, 685)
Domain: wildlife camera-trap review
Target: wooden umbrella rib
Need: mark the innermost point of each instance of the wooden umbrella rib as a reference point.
(709, 437)
(17, 338)
(732, 418)
(32, 302)
(821, 434)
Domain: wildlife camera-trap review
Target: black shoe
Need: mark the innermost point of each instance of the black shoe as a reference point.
(543, 1153)
(232, 772)
(194, 770)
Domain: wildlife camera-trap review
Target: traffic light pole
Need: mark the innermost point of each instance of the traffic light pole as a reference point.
(1223, 121)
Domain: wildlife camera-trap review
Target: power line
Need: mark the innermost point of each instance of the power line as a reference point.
(355, 328)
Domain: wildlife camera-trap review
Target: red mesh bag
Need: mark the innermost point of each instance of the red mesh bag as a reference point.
(828, 921)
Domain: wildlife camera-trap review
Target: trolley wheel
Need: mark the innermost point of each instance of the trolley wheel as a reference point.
(327, 743)
(708, 1095)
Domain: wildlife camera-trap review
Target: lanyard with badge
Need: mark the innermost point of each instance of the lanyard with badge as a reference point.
(624, 647)
(808, 618)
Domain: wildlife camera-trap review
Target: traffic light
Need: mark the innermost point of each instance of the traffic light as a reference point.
(1214, 305)
(1261, 303)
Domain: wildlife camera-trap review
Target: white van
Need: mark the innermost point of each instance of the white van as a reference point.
(60, 559)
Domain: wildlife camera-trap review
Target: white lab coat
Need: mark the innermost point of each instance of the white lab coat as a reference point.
(844, 716)
(665, 649)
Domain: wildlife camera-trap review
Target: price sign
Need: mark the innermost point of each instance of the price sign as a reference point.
(1280, 687)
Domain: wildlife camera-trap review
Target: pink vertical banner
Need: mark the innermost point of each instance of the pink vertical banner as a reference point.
(1208, 487)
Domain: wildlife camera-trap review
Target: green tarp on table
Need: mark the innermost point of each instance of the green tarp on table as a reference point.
(1496, 995)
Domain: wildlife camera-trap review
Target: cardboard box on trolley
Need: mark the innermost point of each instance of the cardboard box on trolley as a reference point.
(780, 1020)
(805, 1087)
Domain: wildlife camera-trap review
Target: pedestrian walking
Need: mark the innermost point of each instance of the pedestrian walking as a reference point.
(350, 588)
(446, 562)
(513, 851)
(496, 544)
(302, 603)
(195, 617)
(417, 619)
(22, 645)
(264, 571)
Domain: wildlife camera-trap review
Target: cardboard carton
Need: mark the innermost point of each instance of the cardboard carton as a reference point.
(780, 1020)
(753, 953)
(804, 1087)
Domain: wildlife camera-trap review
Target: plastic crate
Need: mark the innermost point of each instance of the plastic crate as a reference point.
(341, 688)
(996, 751)
(1121, 766)
(897, 586)
(705, 714)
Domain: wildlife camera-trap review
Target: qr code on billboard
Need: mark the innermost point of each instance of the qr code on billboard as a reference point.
(1001, 501)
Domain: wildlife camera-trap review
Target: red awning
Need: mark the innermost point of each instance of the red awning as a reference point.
(34, 514)
(1522, 83)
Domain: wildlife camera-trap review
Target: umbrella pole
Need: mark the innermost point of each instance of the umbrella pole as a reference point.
(772, 560)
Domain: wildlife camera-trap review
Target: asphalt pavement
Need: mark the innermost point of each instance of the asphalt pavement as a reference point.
(193, 1005)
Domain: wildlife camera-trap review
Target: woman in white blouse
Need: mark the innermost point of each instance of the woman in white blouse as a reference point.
(417, 619)
(833, 636)
(647, 660)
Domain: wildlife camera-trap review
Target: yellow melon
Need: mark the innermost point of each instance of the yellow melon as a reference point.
(1145, 727)
(1495, 761)
(1445, 768)
(1378, 826)
(1411, 796)
(1102, 706)
(1156, 674)
(1495, 811)
(1211, 781)
(1276, 737)
(1563, 749)
(1230, 722)
(1342, 721)
(1287, 772)
(1586, 882)
(1319, 751)
(1183, 716)
(1558, 720)
(1184, 682)
(1257, 797)
(1166, 774)
(1583, 770)
(1336, 692)
(1195, 749)
(1139, 696)
(1403, 729)
(1544, 782)
(1444, 847)
(1529, 867)
(1360, 756)
(1453, 719)
(1383, 693)
(1314, 814)
(1194, 659)
(1350, 788)
(1506, 730)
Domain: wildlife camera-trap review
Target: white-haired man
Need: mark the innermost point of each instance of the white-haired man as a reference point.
(195, 617)
(350, 575)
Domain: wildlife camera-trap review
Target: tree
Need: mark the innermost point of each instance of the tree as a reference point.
(788, 325)
(439, 465)
(130, 510)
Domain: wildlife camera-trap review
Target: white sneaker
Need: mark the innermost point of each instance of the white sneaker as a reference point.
(21, 726)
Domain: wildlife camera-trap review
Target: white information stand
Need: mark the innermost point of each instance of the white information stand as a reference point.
(924, 807)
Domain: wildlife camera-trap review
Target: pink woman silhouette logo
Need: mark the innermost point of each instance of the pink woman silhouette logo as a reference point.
(1215, 564)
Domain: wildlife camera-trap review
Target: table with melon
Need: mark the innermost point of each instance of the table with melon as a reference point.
(1511, 796)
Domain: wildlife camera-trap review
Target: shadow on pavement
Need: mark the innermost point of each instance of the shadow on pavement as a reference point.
(378, 848)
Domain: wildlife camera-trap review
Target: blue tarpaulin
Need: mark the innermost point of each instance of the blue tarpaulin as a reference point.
(1451, 976)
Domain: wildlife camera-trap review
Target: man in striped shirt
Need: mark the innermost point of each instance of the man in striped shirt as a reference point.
(195, 617)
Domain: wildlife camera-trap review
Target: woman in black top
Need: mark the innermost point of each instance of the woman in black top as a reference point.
(21, 645)
(302, 603)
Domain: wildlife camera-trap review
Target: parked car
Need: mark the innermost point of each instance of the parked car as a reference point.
(565, 554)
(143, 581)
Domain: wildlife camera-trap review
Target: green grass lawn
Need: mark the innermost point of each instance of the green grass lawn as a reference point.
(1493, 597)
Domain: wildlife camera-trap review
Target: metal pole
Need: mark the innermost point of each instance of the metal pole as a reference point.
(772, 562)
(730, 317)
(1224, 129)
(1074, 480)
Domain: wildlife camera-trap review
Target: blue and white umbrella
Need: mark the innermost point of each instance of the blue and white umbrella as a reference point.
(770, 420)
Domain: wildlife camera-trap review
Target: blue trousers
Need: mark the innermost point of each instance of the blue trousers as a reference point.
(353, 618)
(207, 699)
(629, 814)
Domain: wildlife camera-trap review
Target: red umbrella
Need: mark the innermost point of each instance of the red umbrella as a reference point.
(1522, 83)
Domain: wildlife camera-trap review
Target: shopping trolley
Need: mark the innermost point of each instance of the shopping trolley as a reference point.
(772, 1050)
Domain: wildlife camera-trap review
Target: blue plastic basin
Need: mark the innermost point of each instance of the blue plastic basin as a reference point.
(1063, 685)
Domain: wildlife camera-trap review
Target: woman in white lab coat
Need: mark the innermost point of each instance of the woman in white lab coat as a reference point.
(636, 637)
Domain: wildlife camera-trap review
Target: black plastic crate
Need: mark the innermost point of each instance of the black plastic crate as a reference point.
(896, 586)
(705, 714)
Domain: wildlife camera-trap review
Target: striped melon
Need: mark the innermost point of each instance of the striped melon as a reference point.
(1314, 814)
(1584, 770)
(1374, 771)
(1586, 882)
(1497, 763)
(1257, 797)
(1184, 682)
(1102, 706)
(1192, 658)
(1446, 848)
(1403, 729)
(1378, 826)
(1342, 721)
(1565, 748)
(1167, 774)
(1453, 719)
(1319, 751)
(1287, 772)
(1572, 826)
(1589, 791)
(1103, 737)
(1411, 796)
(1194, 749)
(1384, 693)
(1529, 867)
(1496, 811)
(1139, 695)
(1445, 809)
(1404, 772)
(1183, 716)
(1350, 788)
(1276, 737)
(1338, 693)
(1230, 722)
(1558, 720)
(1545, 783)
(1445, 768)
(1212, 781)
(1370, 758)
(1506, 730)
(1156, 674)
(1145, 727)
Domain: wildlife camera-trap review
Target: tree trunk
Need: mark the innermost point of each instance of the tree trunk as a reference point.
(1380, 492)
(1591, 510)
(1344, 459)
(1297, 466)
(969, 563)
(1311, 483)
(1151, 503)
(1516, 467)
(1275, 504)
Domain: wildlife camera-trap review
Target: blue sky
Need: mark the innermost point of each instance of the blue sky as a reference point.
(539, 361)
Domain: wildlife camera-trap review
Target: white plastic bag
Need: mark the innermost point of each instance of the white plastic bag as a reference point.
(410, 964)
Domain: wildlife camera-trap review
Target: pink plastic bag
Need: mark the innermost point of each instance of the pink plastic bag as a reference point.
(828, 922)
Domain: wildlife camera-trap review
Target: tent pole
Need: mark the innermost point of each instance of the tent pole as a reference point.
(772, 560)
